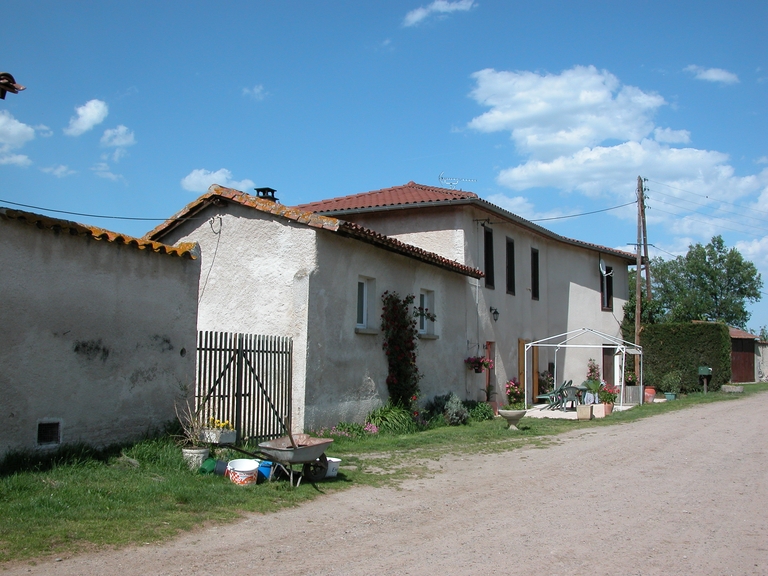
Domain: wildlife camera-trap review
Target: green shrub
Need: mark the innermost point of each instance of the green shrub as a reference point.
(671, 381)
(392, 419)
(434, 409)
(479, 411)
(455, 413)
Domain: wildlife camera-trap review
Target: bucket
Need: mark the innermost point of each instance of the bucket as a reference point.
(265, 471)
(243, 471)
(333, 467)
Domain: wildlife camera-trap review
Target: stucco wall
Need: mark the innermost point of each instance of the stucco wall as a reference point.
(347, 369)
(95, 335)
(254, 278)
(569, 286)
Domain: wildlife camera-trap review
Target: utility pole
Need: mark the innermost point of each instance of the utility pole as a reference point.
(640, 223)
(645, 242)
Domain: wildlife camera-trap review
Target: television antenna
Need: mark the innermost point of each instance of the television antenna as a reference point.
(451, 182)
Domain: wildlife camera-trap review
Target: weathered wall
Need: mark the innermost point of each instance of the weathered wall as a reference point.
(96, 335)
(569, 285)
(254, 278)
(347, 369)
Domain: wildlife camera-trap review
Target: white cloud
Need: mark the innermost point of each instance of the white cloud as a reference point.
(13, 134)
(257, 92)
(762, 160)
(20, 160)
(59, 171)
(420, 14)
(549, 115)
(43, 131)
(120, 137)
(712, 74)
(200, 179)
(671, 136)
(521, 206)
(90, 114)
(102, 170)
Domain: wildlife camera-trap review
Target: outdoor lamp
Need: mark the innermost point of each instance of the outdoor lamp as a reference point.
(494, 313)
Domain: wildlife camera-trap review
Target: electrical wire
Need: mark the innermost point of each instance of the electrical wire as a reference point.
(584, 213)
(93, 215)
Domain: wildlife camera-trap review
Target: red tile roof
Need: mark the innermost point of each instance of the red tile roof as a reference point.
(186, 250)
(217, 194)
(741, 334)
(412, 195)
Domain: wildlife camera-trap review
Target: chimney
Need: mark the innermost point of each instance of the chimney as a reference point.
(266, 194)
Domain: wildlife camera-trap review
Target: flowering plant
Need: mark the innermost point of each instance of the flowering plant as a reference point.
(608, 393)
(219, 424)
(478, 363)
(515, 391)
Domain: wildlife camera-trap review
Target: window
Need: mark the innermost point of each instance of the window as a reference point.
(488, 257)
(426, 306)
(362, 303)
(606, 288)
(366, 289)
(510, 266)
(534, 274)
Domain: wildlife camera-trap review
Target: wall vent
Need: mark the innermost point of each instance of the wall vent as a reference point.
(48, 433)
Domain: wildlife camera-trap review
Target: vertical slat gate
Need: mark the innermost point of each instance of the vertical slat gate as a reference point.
(246, 379)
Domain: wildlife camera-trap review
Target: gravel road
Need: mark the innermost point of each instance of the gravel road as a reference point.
(679, 493)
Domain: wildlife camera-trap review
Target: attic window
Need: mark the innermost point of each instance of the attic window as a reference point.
(48, 433)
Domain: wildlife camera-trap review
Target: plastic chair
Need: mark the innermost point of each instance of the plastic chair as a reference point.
(554, 398)
(570, 394)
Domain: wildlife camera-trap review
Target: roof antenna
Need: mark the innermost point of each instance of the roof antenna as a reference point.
(451, 182)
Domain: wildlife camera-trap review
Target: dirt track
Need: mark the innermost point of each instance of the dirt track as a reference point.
(615, 500)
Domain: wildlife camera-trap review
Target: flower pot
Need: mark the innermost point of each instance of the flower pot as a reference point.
(218, 436)
(512, 417)
(649, 394)
(608, 408)
(194, 457)
(584, 411)
(598, 410)
(479, 370)
(670, 395)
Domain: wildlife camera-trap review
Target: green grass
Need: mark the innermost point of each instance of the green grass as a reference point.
(85, 500)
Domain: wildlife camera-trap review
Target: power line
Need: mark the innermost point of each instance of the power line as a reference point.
(584, 213)
(709, 197)
(91, 215)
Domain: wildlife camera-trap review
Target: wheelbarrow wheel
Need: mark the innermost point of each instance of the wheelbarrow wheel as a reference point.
(315, 471)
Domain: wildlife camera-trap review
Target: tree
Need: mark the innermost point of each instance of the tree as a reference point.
(710, 282)
(651, 311)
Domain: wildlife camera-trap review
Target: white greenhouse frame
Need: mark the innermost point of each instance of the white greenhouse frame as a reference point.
(565, 340)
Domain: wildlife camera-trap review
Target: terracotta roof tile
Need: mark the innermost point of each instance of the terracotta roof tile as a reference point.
(410, 193)
(741, 334)
(186, 250)
(218, 193)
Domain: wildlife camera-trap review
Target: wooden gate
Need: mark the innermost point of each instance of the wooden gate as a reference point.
(246, 379)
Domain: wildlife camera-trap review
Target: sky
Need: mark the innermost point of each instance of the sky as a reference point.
(549, 109)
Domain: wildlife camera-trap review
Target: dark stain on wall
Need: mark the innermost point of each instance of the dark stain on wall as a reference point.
(162, 343)
(92, 349)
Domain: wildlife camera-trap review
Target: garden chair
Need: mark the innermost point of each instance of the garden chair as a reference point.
(569, 394)
(555, 397)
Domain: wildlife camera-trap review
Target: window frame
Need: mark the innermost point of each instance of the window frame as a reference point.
(426, 326)
(510, 266)
(488, 267)
(606, 289)
(535, 273)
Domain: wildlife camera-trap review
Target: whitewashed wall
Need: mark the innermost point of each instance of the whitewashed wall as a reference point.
(95, 335)
(569, 285)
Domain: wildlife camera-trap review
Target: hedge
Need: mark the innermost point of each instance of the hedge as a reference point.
(685, 347)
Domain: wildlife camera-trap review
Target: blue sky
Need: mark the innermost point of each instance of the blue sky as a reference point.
(548, 108)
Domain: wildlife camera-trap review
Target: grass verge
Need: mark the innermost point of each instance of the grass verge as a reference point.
(83, 500)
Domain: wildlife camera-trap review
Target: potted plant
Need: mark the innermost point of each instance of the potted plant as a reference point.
(218, 432)
(515, 408)
(670, 384)
(607, 396)
(190, 439)
(478, 363)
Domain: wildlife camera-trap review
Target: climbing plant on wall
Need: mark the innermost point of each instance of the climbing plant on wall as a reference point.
(399, 325)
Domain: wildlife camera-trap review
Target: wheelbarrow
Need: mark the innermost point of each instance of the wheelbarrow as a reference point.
(294, 450)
